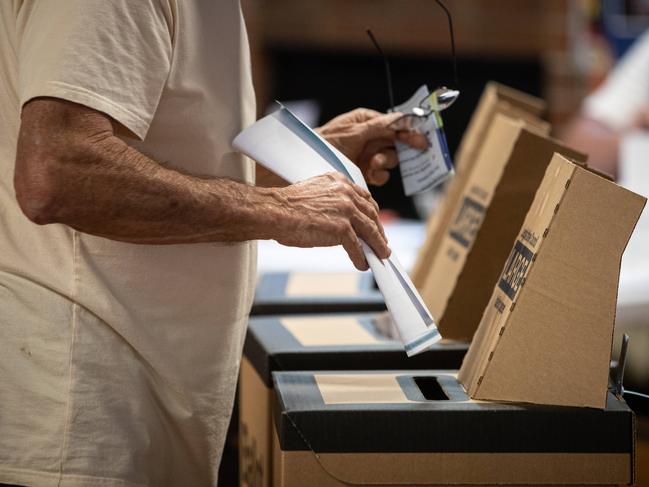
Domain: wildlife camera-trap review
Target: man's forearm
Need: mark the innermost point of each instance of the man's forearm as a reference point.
(110, 189)
(137, 200)
(72, 169)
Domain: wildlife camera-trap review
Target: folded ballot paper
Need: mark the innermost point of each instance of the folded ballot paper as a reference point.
(285, 145)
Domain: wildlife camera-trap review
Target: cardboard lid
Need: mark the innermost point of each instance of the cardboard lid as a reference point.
(303, 292)
(328, 412)
(335, 342)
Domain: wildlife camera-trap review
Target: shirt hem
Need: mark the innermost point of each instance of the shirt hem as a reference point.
(46, 479)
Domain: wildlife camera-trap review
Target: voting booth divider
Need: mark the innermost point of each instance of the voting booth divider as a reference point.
(313, 342)
(547, 333)
(485, 222)
(541, 357)
(495, 99)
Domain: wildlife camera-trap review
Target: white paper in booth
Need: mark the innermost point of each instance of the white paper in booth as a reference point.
(289, 148)
(423, 170)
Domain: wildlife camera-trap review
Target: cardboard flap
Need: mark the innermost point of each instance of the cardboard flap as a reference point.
(485, 223)
(546, 334)
(495, 99)
(538, 218)
(468, 209)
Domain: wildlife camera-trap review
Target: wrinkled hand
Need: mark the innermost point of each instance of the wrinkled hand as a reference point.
(330, 210)
(364, 137)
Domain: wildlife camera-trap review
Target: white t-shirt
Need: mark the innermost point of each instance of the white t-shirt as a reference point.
(625, 91)
(118, 362)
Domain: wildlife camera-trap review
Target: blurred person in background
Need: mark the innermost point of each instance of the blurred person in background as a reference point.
(619, 105)
(127, 228)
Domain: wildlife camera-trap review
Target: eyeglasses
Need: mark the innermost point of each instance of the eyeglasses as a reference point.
(434, 102)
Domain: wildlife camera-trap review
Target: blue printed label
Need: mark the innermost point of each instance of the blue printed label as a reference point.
(465, 226)
(515, 269)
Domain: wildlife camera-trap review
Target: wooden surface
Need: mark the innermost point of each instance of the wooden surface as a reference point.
(505, 29)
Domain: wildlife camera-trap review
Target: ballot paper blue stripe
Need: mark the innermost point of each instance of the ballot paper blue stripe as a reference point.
(300, 129)
(432, 333)
(428, 319)
(445, 152)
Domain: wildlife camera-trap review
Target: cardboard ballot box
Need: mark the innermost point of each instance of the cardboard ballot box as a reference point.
(314, 342)
(485, 222)
(304, 292)
(547, 332)
(420, 428)
(495, 99)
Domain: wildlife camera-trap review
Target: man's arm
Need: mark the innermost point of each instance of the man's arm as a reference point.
(72, 169)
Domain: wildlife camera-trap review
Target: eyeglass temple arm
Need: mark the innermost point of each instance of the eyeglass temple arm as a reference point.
(386, 62)
(450, 28)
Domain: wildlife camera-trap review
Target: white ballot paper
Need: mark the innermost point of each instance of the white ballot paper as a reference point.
(423, 170)
(289, 148)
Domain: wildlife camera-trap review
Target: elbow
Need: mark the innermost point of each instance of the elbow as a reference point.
(37, 189)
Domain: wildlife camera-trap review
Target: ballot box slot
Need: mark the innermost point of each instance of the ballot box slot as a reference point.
(430, 388)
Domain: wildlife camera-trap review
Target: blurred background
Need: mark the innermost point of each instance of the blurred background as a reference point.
(315, 56)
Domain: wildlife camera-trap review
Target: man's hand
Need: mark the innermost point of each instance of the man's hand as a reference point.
(329, 210)
(364, 137)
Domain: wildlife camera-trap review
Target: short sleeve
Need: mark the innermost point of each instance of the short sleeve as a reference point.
(111, 55)
(625, 91)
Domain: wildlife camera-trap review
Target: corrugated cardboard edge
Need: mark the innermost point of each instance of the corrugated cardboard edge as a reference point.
(524, 104)
(298, 468)
(488, 333)
(492, 376)
(450, 324)
(503, 134)
(336, 470)
(255, 420)
(496, 99)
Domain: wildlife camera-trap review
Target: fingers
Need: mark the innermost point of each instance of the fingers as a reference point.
(361, 215)
(378, 177)
(368, 231)
(377, 127)
(370, 209)
(362, 192)
(414, 139)
(364, 114)
(366, 197)
(354, 249)
(377, 172)
(384, 160)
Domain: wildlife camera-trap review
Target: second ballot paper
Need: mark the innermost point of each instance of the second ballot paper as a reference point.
(282, 143)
